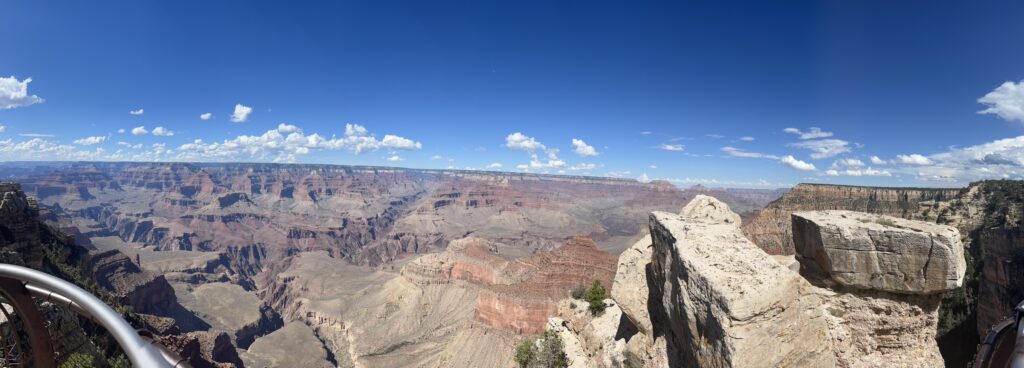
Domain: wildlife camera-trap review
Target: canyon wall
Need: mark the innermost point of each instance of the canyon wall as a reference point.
(772, 231)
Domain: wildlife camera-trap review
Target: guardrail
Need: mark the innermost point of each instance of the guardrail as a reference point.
(19, 284)
(1003, 345)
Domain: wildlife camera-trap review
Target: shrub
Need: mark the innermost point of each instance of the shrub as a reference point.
(596, 296)
(78, 360)
(546, 352)
(578, 291)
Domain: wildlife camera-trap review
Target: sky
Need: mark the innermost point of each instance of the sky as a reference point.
(720, 93)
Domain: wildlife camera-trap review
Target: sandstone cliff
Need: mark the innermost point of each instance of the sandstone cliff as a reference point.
(772, 231)
(867, 295)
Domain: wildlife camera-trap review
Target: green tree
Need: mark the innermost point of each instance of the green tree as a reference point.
(546, 352)
(596, 296)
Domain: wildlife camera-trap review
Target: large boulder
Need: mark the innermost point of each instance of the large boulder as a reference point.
(727, 303)
(710, 208)
(878, 252)
(630, 289)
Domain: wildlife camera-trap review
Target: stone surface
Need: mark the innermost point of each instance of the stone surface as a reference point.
(877, 252)
(710, 208)
(630, 289)
(726, 303)
(771, 229)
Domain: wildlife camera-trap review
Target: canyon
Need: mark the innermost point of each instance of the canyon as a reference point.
(355, 266)
(371, 266)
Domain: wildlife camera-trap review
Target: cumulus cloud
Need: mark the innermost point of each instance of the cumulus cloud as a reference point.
(139, 130)
(287, 142)
(400, 143)
(812, 133)
(1006, 101)
(858, 172)
(715, 136)
(494, 166)
(913, 159)
(120, 131)
(137, 112)
(14, 93)
(437, 157)
(206, 116)
(747, 138)
(671, 147)
(552, 161)
(241, 113)
(88, 141)
(582, 167)
(736, 152)
(878, 161)
(520, 141)
(643, 178)
(583, 149)
(823, 148)
(36, 135)
(129, 145)
(3, 128)
(394, 158)
(848, 162)
(162, 132)
(797, 164)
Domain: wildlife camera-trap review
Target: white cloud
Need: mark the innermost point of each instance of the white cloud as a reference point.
(643, 178)
(394, 158)
(653, 166)
(36, 135)
(832, 172)
(137, 112)
(206, 116)
(284, 144)
(812, 133)
(913, 159)
(162, 132)
(848, 162)
(129, 145)
(121, 131)
(3, 128)
(823, 148)
(715, 136)
(400, 143)
(736, 152)
(671, 147)
(437, 157)
(15, 94)
(552, 161)
(241, 113)
(139, 130)
(582, 167)
(747, 138)
(287, 128)
(520, 141)
(88, 141)
(494, 166)
(1006, 101)
(583, 149)
(646, 132)
(878, 161)
(797, 164)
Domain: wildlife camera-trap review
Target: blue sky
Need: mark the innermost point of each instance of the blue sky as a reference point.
(693, 92)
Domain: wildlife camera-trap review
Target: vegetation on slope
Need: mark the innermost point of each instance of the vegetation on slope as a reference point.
(548, 351)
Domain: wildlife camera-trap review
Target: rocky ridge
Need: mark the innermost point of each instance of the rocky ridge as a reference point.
(716, 299)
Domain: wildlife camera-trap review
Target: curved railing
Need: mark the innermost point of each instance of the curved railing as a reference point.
(18, 285)
(1003, 345)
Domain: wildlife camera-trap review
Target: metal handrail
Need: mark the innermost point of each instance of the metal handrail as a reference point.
(140, 352)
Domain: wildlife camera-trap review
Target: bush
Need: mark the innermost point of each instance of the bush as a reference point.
(78, 360)
(546, 352)
(596, 296)
(578, 291)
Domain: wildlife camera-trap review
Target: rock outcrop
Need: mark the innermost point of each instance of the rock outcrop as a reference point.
(726, 303)
(881, 282)
(771, 229)
(878, 252)
(629, 289)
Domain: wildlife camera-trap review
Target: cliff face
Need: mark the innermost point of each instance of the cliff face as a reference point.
(772, 231)
(867, 294)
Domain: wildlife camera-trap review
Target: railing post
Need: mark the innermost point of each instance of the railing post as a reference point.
(25, 309)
